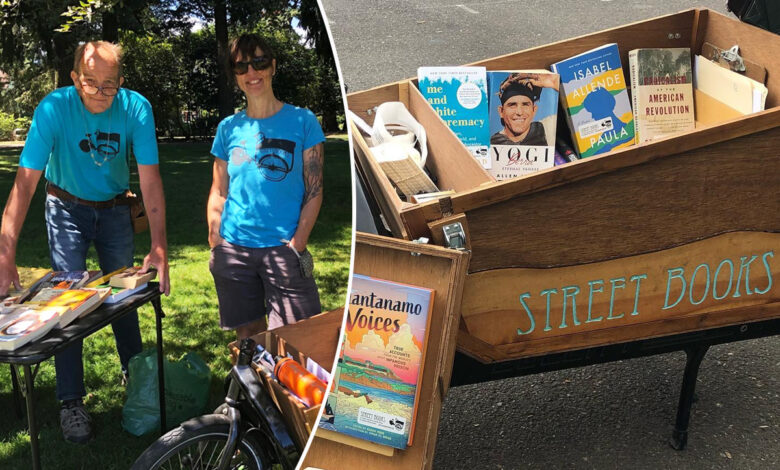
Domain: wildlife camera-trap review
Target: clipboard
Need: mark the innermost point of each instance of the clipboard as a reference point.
(730, 59)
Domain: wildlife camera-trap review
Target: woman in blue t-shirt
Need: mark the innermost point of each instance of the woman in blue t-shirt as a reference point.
(265, 196)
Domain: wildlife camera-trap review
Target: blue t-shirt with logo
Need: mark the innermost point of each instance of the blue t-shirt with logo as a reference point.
(87, 154)
(265, 170)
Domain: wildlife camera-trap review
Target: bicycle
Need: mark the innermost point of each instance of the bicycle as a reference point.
(247, 432)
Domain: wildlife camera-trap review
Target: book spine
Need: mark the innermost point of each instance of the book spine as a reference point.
(634, 70)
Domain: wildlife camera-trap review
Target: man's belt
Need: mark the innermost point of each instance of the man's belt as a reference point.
(60, 193)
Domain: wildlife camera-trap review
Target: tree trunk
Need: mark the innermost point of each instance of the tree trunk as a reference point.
(224, 98)
(110, 26)
(63, 60)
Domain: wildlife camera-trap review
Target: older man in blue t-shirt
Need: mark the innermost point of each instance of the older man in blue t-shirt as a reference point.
(82, 136)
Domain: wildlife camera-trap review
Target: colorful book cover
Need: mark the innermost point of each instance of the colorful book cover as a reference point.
(594, 95)
(459, 97)
(523, 118)
(25, 324)
(661, 91)
(375, 384)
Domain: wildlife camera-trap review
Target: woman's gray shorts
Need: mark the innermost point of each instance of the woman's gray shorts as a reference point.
(253, 282)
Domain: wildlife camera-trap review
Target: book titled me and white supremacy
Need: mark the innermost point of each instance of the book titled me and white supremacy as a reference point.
(375, 390)
(459, 97)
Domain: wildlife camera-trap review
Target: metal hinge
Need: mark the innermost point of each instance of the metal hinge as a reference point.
(454, 236)
(419, 241)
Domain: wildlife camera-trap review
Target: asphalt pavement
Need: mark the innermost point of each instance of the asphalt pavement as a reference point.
(616, 415)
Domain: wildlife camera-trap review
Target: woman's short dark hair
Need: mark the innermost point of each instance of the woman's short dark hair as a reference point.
(246, 45)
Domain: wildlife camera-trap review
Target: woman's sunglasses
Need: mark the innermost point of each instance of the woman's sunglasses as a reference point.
(257, 63)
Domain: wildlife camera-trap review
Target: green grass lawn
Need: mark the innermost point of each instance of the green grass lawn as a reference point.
(191, 322)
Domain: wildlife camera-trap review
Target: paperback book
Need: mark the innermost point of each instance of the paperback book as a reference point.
(595, 99)
(375, 389)
(79, 301)
(459, 97)
(130, 278)
(661, 91)
(523, 118)
(24, 324)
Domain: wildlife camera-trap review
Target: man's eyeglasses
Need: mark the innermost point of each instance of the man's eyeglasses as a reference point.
(257, 63)
(105, 90)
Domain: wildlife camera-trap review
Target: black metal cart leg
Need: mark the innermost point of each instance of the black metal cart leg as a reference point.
(32, 426)
(680, 434)
(17, 393)
(158, 313)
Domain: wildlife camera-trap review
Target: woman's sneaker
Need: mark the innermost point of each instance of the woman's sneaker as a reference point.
(75, 422)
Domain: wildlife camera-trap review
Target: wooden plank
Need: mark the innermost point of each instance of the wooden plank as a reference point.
(637, 209)
(432, 267)
(673, 30)
(448, 159)
(726, 272)
(317, 336)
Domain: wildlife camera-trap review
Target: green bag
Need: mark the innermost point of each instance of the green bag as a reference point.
(186, 391)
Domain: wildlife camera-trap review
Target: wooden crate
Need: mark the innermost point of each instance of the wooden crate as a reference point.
(317, 338)
(615, 233)
(443, 271)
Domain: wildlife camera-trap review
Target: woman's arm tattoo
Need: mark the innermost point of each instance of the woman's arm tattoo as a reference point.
(312, 173)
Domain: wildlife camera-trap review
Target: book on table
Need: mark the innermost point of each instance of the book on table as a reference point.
(131, 278)
(595, 99)
(661, 92)
(523, 120)
(22, 324)
(375, 386)
(80, 302)
(460, 98)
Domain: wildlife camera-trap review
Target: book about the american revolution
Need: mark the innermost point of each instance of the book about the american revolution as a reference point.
(661, 92)
(523, 118)
(595, 98)
(376, 381)
(459, 97)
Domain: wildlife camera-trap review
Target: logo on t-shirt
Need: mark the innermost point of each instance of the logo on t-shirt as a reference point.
(104, 144)
(274, 158)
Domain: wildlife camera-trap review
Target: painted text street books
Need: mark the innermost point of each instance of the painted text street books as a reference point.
(661, 92)
(459, 97)
(523, 117)
(377, 376)
(594, 96)
(130, 278)
(24, 324)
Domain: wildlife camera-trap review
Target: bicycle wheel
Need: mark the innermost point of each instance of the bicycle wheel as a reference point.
(200, 447)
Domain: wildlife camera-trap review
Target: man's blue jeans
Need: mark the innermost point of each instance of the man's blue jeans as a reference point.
(72, 227)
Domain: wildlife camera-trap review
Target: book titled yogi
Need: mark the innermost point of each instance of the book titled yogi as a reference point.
(375, 393)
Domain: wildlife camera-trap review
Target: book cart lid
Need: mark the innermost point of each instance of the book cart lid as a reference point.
(432, 267)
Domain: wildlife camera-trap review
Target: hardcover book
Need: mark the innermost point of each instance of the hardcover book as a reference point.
(661, 92)
(459, 97)
(523, 118)
(130, 278)
(119, 294)
(376, 379)
(25, 323)
(594, 96)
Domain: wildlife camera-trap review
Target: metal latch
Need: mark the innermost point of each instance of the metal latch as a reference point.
(454, 236)
(732, 57)
(419, 241)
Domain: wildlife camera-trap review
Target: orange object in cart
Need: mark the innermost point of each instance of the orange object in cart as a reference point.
(299, 381)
